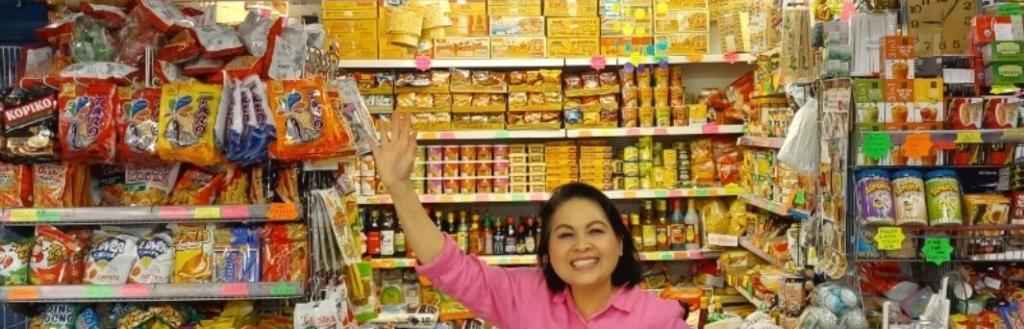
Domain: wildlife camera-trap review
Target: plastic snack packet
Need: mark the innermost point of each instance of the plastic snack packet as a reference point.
(50, 180)
(111, 257)
(51, 256)
(15, 185)
(196, 187)
(30, 125)
(79, 259)
(188, 114)
(260, 125)
(56, 316)
(87, 318)
(149, 185)
(14, 258)
(236, 186)
(183, 47)
(218, 41)
(285, 60)
(107, 186)
(254, 31)
(236, 253)
(307, 127)
(93, 72)
(163, 15)
(87, 122)
(155, 259)
(138, 35)
(137, 124)
(193, 255)
(285, 253)
(167, 72)
(35, 64)
(90, 41)
(355, 112)
(203, 67)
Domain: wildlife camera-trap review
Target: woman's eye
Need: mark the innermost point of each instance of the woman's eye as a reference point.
(564, 235)
(596, 231)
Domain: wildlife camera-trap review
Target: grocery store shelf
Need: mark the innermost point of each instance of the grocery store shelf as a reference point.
(517, 260)
(730, 190)
(774, 207)
(747, 244)
(766, 142)
(490, 134)
(696, 59)
(656, 131)
(944, 139)
(157, 214)
(151, 292)
(540, 62)
(760, 304)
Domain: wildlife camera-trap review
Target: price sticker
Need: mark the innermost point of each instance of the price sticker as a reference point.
(847, 11)
(22, 293)
(234, 289)
(709, 128)
(635, 58)
(24, 215)
(723, 240)
(937, 249)
(876, 145)
(969, 137)
(889, 238)
(640, 13)
(703, 192)
(134, 290)
(731, 57)
(660, 193)
(694, 58)
(629, 195)
(423, 63)
(282, 289)
(800, 198)
(501, 134)
(598, 62)
(206, 213)
(98, 292)
(917, 145)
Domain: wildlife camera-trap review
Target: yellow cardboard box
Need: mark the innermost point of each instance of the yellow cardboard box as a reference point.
(682, 44)
(468, 25)
(462, 48)
(570, 8)
(514, 7)
(349, 9)
(518, 47)
(386, 50)
(468, 7)
(574, 27)
(616, 46)
(517, 26)
(352, 27)
(682, 4)
(683, 21)
(574, 47)
(626, 27)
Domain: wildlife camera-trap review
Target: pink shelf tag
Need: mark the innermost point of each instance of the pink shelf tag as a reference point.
(447, 135)
(429, 198)
(423, 62)
(731, 58)
(134, 290)
(709, 128)
(234, 212)
(632, 132)
(660, 131)
(675, 193)
(174, 213)
(482, 198)
(597, 62)
(537, 196)
(234, 289)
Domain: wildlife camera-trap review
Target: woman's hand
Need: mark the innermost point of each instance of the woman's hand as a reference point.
(395, 156)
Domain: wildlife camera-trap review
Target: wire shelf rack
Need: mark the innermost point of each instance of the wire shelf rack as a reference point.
(970, 244)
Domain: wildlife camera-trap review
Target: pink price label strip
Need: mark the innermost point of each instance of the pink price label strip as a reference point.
(134, 291)
(234, 289)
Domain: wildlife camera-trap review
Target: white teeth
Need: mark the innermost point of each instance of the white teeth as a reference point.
(584, 262)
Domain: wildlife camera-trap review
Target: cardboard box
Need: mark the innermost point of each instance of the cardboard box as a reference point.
(616, 46)
(573, 47)
(898, 90)
(352, 27)
(869, 95)
(682, 21)
(468, 25)
(517, 26)
(928, 111)
(626, 27)
(468, 7)
(385, 49)
(349, 9)
(462, 48)
(363, 45)
(1003, 51)
(518, 47)
(985, 29)
(573, 27)
(570, 8)
(898, 69)
(1004, 74)
(899, 103)
(898, 47)
(514, 7)
(681, 4)
(682, 44)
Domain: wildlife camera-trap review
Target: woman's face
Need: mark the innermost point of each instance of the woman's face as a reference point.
(583, 247)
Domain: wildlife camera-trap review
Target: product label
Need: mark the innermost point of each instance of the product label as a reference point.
(387, 243)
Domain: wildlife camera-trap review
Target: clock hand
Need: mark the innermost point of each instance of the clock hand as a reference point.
(950, 11)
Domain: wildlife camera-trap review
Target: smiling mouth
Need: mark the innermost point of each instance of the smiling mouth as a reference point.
(584, 264)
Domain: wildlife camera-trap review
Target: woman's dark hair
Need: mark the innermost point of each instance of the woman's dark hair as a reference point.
(627, 272)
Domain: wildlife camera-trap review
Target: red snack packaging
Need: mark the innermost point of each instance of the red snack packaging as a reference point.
(87, 122)
(196, 187)
(50, 180)
(307, 127)
(238, 68)
(163, 15)
(285, 255)
(1001, 112)
(35, 64)
(79, 260)
(112, 17)
(997, 154)
(60, 29)
(140, 35)
(52, 256)
(137, 124)
(181, 48)
(284, 58)
(203, 67)
(1017, 207)
(965, 113)
(15, 186)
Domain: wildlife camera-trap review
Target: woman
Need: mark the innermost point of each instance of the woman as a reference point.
(588, 263)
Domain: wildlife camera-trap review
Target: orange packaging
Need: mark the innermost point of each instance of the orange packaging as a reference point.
(196, 187)
(49, 183)
(52, 256)
(193, 253)
(86, 126)
(898, 47)
(285, 255)
(137, 124)
(307, 127)
(79, 260)
(15, 185)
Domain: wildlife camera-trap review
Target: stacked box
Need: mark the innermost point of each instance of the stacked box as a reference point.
(574, 29)
(469, 19)
(386, 50)
(899, 103)
(734, 32)
(518, 169)
(514, 7)
(626, 24)
(562, 167)
(868, 95)
(518, 47)
(570, 8)
(681, 31)
(898, 56)
(350, 9)
(596, 165)
(462, 48)
(1004, 62)
(537, 168)
(356, 38)
(929, 111)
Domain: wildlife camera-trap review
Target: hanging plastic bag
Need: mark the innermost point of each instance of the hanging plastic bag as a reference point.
(135, 37)
(356, 114)
(260, 127)
(225, 117)
(188, 114)
(35, 64)
(163, 15)
(254, 31)
(183, 47)
(111, 257)
(137, 124)
(111, 16)
(203, 67)
(156, 258)
(286, 59)
(801, 148)
(15, 185)
(167, 72)
(51, 256)
(87, 122)
(218, 41)
(98, 72)
(307, 127)
(50, 181)
(90, 42)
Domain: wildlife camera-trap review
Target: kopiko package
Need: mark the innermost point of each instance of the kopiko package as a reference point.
(236, 252)
(51, 256)
(193, 253)
(155, 259)
(196, 187)
(14, 258)
(163, 15)
(107, 186)
(137, 124)
(149, 185)
(87, 122)
(30, 125)
(285, 253)
(15, 186)
(111, 258)
(307, 127)
(188, 114)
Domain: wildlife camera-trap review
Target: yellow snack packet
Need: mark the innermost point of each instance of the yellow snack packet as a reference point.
(188, 115)
(193, 253)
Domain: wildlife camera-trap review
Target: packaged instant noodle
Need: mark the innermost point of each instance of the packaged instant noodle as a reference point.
(107, 185)
(187, 117)
(87, 122)
(285, 253)
(15, 185)
(137, 124)
(15, 251)
(148, 185)
(196, 187)
(52, 256)
(111, 257)
(155, 259)
(30, 125)
(193, 253)
(307, 127)
(236, 252)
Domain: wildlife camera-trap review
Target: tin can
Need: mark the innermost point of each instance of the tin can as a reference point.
(484, 185)
(467, 152)
(485, 169)
(435, 170)
(485, 152)
(467, 169)
(451, 169)
(435, 153)
(500, 152)
(908, 194)
(419, 169)
(501, 168)
(435, 186)
(630, 153)
(451, 152)
(451, 185)
(874, 198)
(421, 153)
(419, 185)
(467, 185)
(500, 185)
(942, 189)
(631, 183)
(631, 169)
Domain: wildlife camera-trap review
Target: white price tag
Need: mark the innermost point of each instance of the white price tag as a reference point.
(723, 240)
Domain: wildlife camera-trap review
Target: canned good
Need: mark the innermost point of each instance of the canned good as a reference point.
(646, 183)
(908, 193)
(514, 148)
(630, 153)
(619, 183)
(646, 168)
(451, 169)
(631, 169)
(435, 153)
(468, 152)
(646, 153)
(942, 189)
(669, 157)
(501, 168)
(519, 169)
(467, 185)
(535, 148)
(500, 185)
(875, 197)
(617, 166)
(421, 153)
(485, 152)
(467, 169)
(485, 169)
(519, 179)
(435, 186)
(631, 183)
(451, 153)
(537, 187)
(451, 185)
(500, 152)
(419, 169)
(518, 188)
(419, 186)
(435, 170)
(535, 158)
(484, 185)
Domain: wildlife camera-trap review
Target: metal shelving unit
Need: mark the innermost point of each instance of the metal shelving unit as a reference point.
(731, 190)
(275, 212)
(523, 260)
(151, 292)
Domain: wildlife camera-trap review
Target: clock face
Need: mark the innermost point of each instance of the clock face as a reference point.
(941, 26)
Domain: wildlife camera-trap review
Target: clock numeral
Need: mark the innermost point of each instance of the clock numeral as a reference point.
(942, 45)
(968, 5)
(956, 44)
(915, 9)
(914, 24)
(967, 20)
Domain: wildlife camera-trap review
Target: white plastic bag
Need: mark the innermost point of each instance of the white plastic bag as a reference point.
(802, 147)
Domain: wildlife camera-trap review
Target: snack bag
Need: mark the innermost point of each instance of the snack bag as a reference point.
(30, 125)
(357, 115)
(285, 57)
(196, 187)
(50, 181)
(187, 118)
(203, 67)
(183, 47)
(236, 252)
(87, 318)
(285, 253)
(140, 35)
(137, 124)
(93, 72)
(229, 115)
(307, 127)
(236, 187)
(193, 253)
(111, 258)
(35, 64)
(51, 256)
(702, 165)
(14, 258)
(87, 122)
(148, 185)
(260, 129)
(218, 41)
(79, 259)
(55, 316)
(163, 15)
(155, 259)
(254, 31)
(107, 185)
(727, 161)
(110, 16)
(15, 185)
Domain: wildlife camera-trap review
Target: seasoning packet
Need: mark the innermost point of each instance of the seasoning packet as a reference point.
(15, 185)
(51, 256)
(285, 254)
(155, 259)
(187, 118)
(15, 251)
(236, 252)
(111, 257)
(30, 125)
(193, 253)
(149, 185)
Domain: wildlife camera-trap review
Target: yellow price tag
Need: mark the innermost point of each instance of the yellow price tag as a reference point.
(662, 8)
(627, 30)
(640, 31)
(24, 215)
(640, 13)
(889, 238)
(969, 137)
(206, 213)
(635, 58)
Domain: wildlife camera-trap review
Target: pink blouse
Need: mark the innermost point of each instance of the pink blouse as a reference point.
(513, 298)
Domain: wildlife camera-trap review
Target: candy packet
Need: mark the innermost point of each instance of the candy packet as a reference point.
(107, 185)
(164, 16)
(140, 36)
(155, 259)
(193, 253)
(196, 187)
(236, 253)
(137, 124)
(15, 251)
(149, 185)
(183, 47)
(51, 256)
(15, 185)
(218, 41)
(111, 257)
(285, 254)
(187, 119)
(87, 122)
(168, 72)
(50, 181)
(30, 125)
(90, 41)
(307, 127)
(35, 64)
